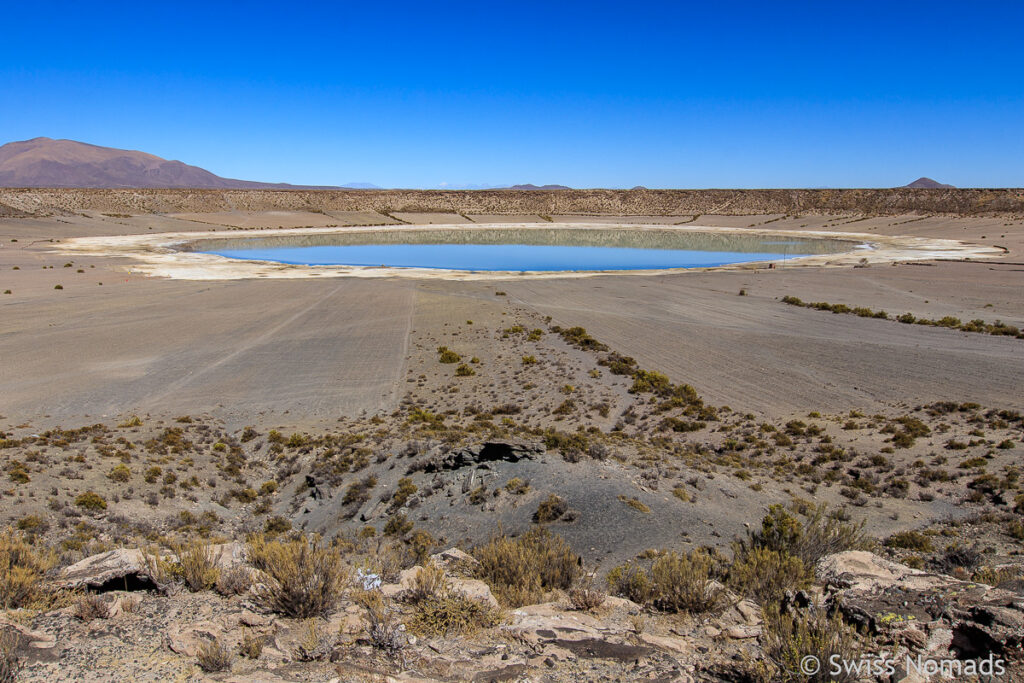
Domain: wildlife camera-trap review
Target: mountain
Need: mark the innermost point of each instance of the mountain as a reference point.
(929, 184)
(361, 186)
(530, 186)
(44, 162)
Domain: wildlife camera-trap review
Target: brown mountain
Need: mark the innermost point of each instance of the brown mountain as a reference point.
(44, 162)
(929, 184)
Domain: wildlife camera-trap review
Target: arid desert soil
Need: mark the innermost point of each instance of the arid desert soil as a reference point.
(631, 415)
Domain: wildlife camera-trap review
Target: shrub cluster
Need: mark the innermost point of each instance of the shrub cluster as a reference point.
(520, 570)
(302, 578)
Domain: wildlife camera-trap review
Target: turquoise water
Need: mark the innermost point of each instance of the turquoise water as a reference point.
(501, 257)
(519, 250)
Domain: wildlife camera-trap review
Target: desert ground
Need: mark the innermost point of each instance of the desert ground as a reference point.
(686, 406)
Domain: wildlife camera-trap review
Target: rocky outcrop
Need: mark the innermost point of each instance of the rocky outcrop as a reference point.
(928, 613)
(480, 454)
(120, 569)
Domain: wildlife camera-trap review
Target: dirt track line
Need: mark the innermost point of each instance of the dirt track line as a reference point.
(175, 386)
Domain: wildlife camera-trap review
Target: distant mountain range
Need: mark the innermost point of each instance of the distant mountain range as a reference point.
(44, 162)
(929, 184)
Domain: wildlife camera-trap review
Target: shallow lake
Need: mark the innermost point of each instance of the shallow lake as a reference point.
(521, 249)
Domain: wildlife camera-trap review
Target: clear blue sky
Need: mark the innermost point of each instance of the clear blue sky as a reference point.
(595, 94)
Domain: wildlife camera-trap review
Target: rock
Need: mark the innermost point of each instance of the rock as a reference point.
(474, 590)
(750, 612)
(250, 618)
(228, 555)
(743, 632)
(26, 637)
(185, 639)
(930, 613)
(120, 569)
(454, 559)
(547, 622)
(489, 451)
(669, 643)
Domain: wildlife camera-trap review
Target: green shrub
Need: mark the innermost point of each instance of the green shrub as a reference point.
(119, 473)
(91, 501)
(631, 582)
(683, 583)
(404, 491)
(674, 583)
(398, 525)
(446, 355)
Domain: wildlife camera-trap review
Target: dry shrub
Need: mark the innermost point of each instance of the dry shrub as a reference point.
(550, 509)
(214, 656)
(234, 581)
(251, 646)
(162, 571)
(585, 596)
(765, 575)
(315, 644)
(440, 615)
(302, 578)
(789, 638)
(9, 662)
(816, 536)
(631, 582)
(91, 606)
(385, 557)
(430, 582)
(197, 565)
(674, 583)
(999, 576)
(683, 583)
(21, 570)
(519, 570)
(383, 629)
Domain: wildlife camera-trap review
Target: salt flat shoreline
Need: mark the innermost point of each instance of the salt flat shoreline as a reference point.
(161, 255)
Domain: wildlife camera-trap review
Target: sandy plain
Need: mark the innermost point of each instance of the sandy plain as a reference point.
(309, 350)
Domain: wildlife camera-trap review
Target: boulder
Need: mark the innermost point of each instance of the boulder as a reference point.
(126, 568)
(454, 559)
(120, 569)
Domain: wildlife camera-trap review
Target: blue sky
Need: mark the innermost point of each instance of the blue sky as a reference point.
(596, 94)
